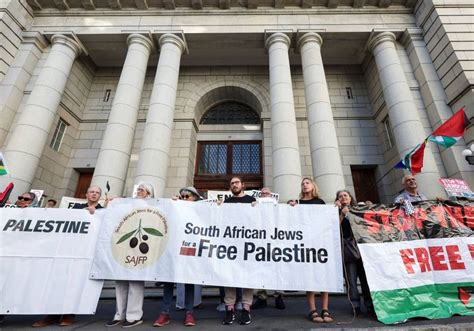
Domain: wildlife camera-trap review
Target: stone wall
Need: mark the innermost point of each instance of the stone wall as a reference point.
(359, 139)
(15, 17)
(448, 30)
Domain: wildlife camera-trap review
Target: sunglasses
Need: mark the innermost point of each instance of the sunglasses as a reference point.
(185, 196)
(24, 198)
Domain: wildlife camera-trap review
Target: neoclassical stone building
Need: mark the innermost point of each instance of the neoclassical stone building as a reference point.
(189, 92)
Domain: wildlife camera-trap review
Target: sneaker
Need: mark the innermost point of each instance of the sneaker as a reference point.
(259, 303)
(245, 318)
(131, 324)
(189, 319)
(162, 320)
(229, 317)
(238, 306)
(114, 323)
(221, 307)
(279, 304)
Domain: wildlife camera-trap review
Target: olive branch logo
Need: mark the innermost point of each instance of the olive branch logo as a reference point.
(139, 235)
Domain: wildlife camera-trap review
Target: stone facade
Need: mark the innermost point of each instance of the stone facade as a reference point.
(323, 77)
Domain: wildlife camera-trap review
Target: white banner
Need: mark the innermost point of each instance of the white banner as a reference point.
(45, 259)
(407, 264)
(266, 246)
(222, 195)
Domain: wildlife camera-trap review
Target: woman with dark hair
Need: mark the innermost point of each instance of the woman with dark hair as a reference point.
(352, 260)
(310, 195)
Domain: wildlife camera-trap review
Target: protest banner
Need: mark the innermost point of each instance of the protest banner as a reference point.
(267, 246)
(420, 265)
(45, 258)
(456, 188)
(39, 195)
(222, 195)
(69, 202)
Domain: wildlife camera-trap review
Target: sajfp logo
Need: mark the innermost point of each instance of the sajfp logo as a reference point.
(140, 238)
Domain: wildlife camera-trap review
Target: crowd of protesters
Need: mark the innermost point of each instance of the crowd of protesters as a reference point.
(130, 294)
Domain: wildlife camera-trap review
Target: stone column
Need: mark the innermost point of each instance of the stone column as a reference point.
(18, 75)
(154, 152)
(325, 156)
(285, 149)
(114, 156)
(407, 127)
(29, 137)
(435, 100)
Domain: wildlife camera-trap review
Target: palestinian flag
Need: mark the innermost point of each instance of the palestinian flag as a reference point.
(450, 131)
(413, 161)
(3, 167)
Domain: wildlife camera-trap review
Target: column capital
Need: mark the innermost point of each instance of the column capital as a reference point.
(380, 38)
(68, 42)
(309, 37)
(277, 37)
(173, 39)
(139, 39)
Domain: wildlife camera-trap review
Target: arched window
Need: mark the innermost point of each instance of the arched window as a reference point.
(230, 112)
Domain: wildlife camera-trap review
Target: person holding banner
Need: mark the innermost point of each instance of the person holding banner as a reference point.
(26, 200)
(352, 260)
(93, 195)
(261, 302)
(181, 288)
(309, 195)
(186, 194)
(238, 196)
(130, 294)
(410, 194)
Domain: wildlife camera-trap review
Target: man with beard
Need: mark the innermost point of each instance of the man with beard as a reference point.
(238, 196)
(93, 195)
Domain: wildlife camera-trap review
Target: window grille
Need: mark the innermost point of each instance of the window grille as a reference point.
(230, 112)
(58, 135)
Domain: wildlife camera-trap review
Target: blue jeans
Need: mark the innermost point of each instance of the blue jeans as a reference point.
(356, 270)
(180, 293)
(168, 297)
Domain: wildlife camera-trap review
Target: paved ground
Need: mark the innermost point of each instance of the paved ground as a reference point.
(292, 318)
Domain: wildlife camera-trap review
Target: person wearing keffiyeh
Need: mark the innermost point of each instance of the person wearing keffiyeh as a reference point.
(410, 194)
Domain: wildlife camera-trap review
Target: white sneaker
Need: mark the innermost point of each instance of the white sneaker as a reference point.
(238, 306)
(221, 307)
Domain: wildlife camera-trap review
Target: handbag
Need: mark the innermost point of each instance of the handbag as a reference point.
(351, 251)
